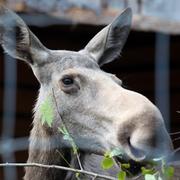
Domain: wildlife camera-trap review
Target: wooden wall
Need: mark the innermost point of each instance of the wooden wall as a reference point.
(135, 68)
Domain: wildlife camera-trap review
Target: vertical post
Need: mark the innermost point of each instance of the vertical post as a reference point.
(9, 112)
(162, 91)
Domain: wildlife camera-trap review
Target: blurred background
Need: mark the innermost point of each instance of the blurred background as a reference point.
(149, 63)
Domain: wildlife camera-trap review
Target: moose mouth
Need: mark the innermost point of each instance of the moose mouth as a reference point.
(135, 158)
(134, 166)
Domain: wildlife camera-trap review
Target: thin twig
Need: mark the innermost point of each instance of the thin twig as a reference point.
(56, 167)
(77, 155)
(94, 177)
(79, 161)
(63, 158)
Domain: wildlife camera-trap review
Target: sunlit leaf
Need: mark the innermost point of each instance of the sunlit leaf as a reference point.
(107, 154)
(115, 152)
(122, 175)
(149, 177)
(125, 165)
(47, 112)
(75, 148)
(107, 163)
(77, 176)
(169, 172)
(67, 137)
(147, 171)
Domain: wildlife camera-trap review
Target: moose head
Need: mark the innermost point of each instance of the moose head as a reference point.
(98, 112)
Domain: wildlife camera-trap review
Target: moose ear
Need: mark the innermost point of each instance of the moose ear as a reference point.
(108, 43)
(17, 40)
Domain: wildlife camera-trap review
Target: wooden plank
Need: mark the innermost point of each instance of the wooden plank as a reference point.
(155, 15)
(164, 9)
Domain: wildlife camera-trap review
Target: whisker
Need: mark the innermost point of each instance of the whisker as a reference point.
(175, 133)
(175, 139)
(176, 150)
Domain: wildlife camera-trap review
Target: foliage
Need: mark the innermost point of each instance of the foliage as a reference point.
(152, 173)
(149, 177)
(108, 162)
(116, 152)
(47, 116)
(149, 171)
(165, 172)
(47, 112)
(121, 175)
(67, 136)
(169, 172)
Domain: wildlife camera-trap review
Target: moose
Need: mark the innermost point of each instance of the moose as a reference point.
(99, 113)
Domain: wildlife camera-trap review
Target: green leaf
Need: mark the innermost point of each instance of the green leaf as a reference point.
(63, 130)
(75, 148)
(125, 165)
(107, 154)
(47, 112)
(149, 177)
(122, 175)
(147, 171)
(68, 137)
(107, 163)
(115, 152)
(77, 176)
(169, 172)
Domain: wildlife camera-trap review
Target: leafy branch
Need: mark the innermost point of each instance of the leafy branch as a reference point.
(47, 116)
(66, 134)
(156, 170)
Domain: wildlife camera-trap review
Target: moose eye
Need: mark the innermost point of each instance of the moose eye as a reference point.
(69, 84)
(67, 81)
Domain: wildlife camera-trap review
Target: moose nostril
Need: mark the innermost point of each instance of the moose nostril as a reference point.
(128, 140)
(137, 153)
